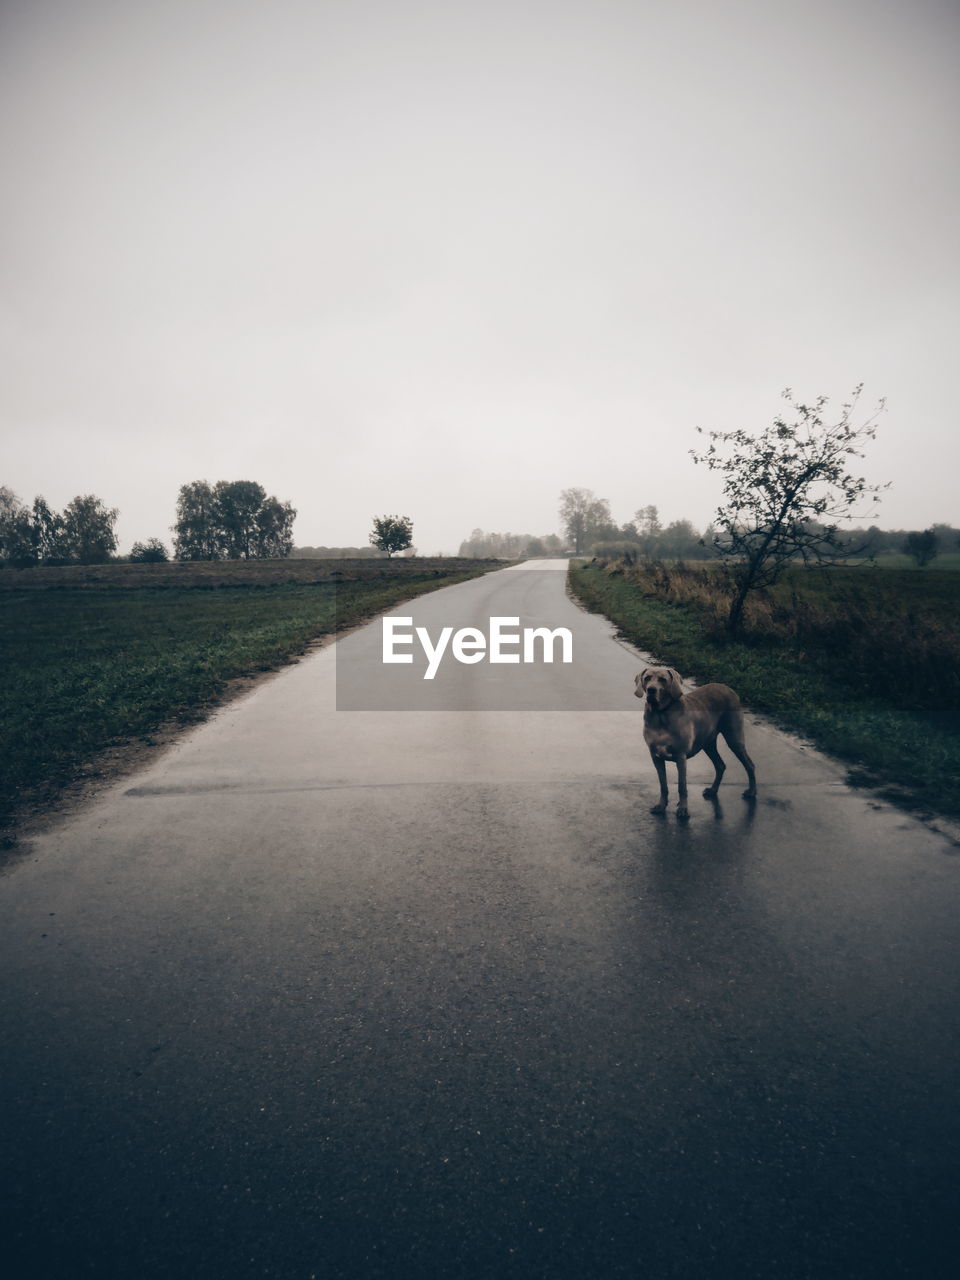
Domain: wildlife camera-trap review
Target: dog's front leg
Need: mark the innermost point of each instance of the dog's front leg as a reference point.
(683, 814)
(660, 765)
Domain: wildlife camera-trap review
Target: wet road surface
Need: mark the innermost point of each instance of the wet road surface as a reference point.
(431, 994)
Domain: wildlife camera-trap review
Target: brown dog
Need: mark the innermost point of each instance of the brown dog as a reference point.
(678, 724)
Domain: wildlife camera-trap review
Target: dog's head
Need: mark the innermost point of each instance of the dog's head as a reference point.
(661, 686)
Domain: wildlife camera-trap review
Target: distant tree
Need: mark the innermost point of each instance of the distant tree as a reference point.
(473, 546)
(9, 502)
(83, 534)
(872, 542)
(488, 546)
(10, 508)
(509, 546)
(335, 553)
(235, 520)
(16, 539)
(707, 543)
(585, 518)
(865, 543)
(31, 535)
(605, 529)
(275, 529)
(947, 535)
(152, 551)
(679, 539)
(195, 532)
(649, 529)
(88, 536)
(922, 547)
(236, 505)
(392, 533)
(575, 505)
(784, 492)
(48, 534)
(647, 520)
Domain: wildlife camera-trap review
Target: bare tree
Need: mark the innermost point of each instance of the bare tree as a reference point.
(785, 492)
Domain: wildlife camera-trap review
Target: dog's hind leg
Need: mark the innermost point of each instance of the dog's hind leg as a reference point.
(731, 726)
(733, 736)
(710, 749)
(740, 751)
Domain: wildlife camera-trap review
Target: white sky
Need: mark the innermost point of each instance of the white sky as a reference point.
(448, 257)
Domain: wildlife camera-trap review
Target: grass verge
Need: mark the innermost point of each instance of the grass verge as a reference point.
(85, 668)
(913, 757)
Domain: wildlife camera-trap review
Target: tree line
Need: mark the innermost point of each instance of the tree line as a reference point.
(337, 553)
(230, 520)
(510, 546)
(82, 533)
(589, 529)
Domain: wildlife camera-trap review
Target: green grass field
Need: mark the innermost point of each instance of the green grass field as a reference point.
(865, 662)
(100, 657)
(895, 560)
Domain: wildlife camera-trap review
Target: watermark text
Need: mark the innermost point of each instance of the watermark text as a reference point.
(470, 644)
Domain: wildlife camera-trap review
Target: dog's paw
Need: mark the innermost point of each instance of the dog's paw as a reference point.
(683, 815)
(710, 793)
(749, 795)
(659, 810)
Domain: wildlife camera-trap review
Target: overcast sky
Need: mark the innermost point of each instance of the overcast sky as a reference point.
(445, 258)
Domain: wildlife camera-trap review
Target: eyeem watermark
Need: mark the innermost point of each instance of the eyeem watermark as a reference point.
(469, 644)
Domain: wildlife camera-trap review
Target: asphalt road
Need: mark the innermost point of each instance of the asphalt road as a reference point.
(429, 993)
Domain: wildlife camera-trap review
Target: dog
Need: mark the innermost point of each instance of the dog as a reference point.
(679, 724)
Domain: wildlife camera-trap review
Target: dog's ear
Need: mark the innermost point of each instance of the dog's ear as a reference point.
(677, 681)
(641, 677)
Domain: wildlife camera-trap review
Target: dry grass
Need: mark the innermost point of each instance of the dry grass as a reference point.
(884, 632)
